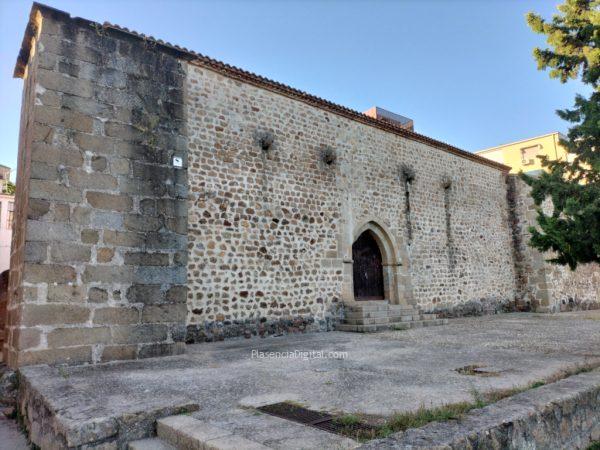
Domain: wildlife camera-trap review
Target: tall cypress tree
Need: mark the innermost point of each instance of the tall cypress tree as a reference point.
(572, 230)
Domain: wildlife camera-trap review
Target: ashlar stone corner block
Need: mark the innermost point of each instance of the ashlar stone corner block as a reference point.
(160, 275)
(56, 81)
(116, 316)
(69, 337)
(51, 190)
(112, 202)
(53, 314)
(69, 355)
(65, 293)
(124, 238)
(164, 313)
(48, 273)
(108, 274)
(138, 334)
(70, 252)
(44, 231)
(145, 293)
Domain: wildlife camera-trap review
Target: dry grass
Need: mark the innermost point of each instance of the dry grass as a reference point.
(456, 411)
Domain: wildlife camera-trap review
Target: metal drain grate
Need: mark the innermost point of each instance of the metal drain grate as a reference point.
(321, 420)
(296, 413)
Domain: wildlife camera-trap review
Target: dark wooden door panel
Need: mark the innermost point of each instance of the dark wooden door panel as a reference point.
(367, 268)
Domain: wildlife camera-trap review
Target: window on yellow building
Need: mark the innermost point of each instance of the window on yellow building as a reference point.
(528, 154)
(9, 220)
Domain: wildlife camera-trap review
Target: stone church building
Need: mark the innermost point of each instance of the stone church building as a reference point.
(164, 197)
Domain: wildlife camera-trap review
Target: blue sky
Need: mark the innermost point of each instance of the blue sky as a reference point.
(461, 69)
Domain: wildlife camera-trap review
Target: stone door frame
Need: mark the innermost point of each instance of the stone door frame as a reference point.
(396, 276)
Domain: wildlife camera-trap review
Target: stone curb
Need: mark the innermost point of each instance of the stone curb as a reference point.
(561, 415)
(48, 429)
(187, 433)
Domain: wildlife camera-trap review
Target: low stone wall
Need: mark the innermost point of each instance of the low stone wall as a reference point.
(562, 415)
(50, 430)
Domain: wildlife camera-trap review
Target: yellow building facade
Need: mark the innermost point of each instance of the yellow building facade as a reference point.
(523, 155)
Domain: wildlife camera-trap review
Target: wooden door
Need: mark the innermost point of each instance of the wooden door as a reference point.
(367, 268)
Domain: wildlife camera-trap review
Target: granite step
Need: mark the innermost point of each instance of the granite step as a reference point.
(367, 321)
(402, 308)
(396, 309)
(186, 433)
(398, 326)
(366, 315)
(362, 328)
(403, 318)
(367, 308)
(428, 316)
(372, 316)
(409, 318)
(428, 323)
(403, 312)
(418, 324)
(150, 444)
(368, 303)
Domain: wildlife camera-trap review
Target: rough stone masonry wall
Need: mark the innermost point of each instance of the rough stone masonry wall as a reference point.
(543, 286)
(99, 259)
(263, 225)
(271, 231)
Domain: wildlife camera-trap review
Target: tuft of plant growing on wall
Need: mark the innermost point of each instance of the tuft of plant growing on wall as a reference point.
(265, 139)
(328, 155)
(407, 174)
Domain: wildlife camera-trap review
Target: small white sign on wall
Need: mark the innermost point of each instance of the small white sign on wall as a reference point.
(177, 162)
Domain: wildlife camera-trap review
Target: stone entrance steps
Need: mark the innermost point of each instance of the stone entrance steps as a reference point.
(150, 444)
(186, 433)
(372, 316)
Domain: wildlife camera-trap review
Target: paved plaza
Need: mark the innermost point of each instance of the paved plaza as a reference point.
(376, 374)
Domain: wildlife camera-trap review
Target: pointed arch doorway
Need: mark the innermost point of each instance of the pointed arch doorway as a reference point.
(367, 268)
(376, 262)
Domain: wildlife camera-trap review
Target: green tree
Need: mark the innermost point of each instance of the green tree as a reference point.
(572, 230)
(9, 188)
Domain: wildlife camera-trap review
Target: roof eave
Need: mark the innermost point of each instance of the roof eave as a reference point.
(33, 27)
